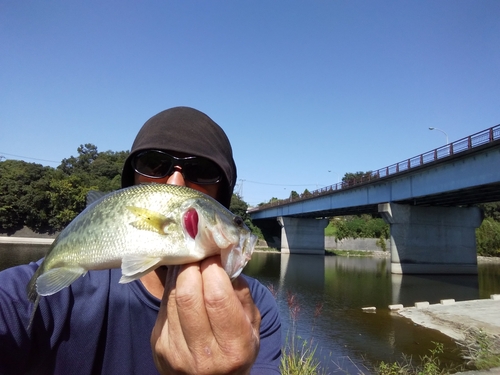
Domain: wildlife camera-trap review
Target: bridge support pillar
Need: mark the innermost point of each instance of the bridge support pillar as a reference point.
(302, 236)
(432, 240)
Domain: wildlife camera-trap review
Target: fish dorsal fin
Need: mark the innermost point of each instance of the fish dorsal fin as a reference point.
(150, 220)
(136, 266)
(53, 280)
(94, 195)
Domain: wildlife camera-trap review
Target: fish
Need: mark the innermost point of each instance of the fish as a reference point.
(139, 229)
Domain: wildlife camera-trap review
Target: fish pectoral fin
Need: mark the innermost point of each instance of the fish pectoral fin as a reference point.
(149, 220)
(55, 279)
(136, 266)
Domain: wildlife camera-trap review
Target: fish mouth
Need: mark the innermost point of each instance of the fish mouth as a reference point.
(235, 260)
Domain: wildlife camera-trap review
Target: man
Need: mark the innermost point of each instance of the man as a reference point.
(186, 319)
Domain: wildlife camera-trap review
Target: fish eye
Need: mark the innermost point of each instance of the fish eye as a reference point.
(238, 221)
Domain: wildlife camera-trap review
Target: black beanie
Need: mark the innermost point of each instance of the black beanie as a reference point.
(186, 130)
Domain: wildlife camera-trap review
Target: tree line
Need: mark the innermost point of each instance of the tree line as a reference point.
(46, 199)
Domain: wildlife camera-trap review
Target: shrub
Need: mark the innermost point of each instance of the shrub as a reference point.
(488, 238)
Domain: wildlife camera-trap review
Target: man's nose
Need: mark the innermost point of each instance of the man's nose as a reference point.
(176, 178)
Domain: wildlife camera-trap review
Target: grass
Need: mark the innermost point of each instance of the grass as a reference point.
(480, 350)
(331, 230)
(299, 354)
(299, 359)
(430, 365)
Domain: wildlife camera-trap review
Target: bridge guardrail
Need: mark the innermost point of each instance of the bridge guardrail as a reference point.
(475, 140)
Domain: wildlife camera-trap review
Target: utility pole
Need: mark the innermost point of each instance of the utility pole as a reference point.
(240, 188)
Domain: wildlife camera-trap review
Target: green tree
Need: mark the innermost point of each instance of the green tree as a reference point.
(46, 199)
(306, 194)
(81, 164)
(491, 210)
(90, 170)
(488, 238)
(358, 177)
(239, 207)
(67, 199)
(360, 226)
(37, 200)
(22, 197)
(99, 169)
(105, 170)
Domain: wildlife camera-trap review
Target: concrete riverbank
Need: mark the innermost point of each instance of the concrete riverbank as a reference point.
(454, 319)
(27, 240)
(457, 319)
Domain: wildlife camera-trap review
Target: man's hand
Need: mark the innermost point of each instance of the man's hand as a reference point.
(206, 324)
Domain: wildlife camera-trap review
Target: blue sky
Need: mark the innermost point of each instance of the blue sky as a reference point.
(306, 90)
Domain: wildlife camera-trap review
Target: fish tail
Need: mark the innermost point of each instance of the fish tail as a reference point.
(33, 295)
(31, 287)
(33, 312)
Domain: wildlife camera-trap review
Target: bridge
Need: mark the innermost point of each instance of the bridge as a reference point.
(428, 201)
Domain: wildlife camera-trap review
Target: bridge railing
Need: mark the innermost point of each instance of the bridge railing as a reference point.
(475, 140)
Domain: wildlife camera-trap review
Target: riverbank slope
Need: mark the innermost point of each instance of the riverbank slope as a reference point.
(455, 319)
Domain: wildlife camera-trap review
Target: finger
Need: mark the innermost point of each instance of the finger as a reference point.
(191, 311)
(243, 293)
(231, 326)
(168, 309)
(169, 288)
(163, 343)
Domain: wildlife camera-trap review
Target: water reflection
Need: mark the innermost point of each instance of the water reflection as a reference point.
(307, 270)
(408, 289)
(14, 254)
(489, 279)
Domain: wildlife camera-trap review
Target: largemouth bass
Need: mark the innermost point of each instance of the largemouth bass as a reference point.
(140, 228)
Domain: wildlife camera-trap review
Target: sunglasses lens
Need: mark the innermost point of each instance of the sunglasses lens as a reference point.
(153, 164)
(201, 171)
(157, 164)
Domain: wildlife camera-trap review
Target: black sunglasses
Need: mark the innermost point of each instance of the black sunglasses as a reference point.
(159, 164)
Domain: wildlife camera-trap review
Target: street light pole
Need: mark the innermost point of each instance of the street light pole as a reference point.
(441, 132)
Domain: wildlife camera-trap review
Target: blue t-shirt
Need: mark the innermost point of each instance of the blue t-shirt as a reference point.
(99, 326)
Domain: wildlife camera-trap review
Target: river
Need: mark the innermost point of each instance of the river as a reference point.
(330, 292)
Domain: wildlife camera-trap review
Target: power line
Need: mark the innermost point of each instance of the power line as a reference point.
(27, 157)
(265, 183)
